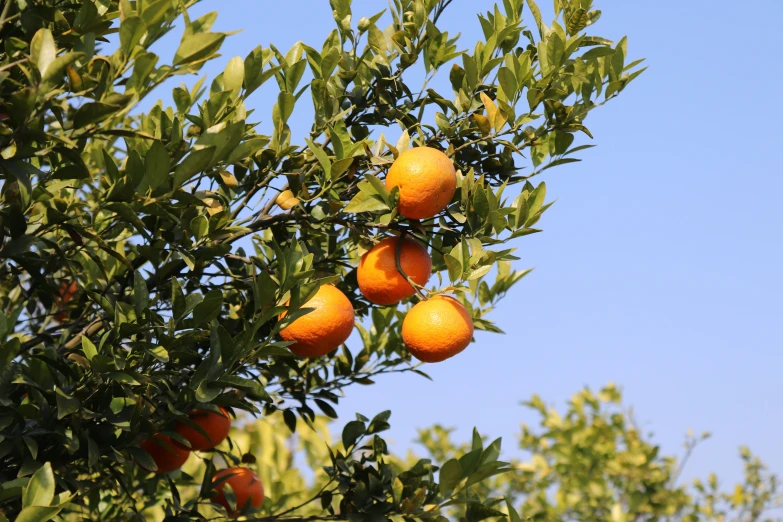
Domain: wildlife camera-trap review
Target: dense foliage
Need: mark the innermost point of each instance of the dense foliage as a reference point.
(145, 264)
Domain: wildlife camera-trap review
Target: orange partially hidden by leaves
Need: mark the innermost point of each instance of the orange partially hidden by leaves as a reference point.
(437, 329)
(380, 281)
(244, 483)
(216, 426)
(323, 329)
(427, 182)
(64, 295)
(167, 455)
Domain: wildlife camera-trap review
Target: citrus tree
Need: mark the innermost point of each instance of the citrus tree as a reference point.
(164, 274)
(592, 462)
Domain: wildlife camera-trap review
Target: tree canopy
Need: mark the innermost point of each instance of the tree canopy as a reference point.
(149, 261)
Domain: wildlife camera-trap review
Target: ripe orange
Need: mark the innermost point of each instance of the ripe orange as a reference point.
(437, 329)
(286, 200)
(379, 280)
(216, 426)
(64, 296)
(323, 329)
(167, 455)
(245, 485)
(427, 182)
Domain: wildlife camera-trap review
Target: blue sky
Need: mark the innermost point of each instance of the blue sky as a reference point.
(660, 264)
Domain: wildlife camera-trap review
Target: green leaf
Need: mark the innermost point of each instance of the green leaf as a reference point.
(40, 490)
(155, 11)
(88, 348)
(618, 60)
(577, 21)
(380, 189)
(93, 452)
(508, 82)
(377, 40)
(20, 245)
(37, 514)
(536, 199)
(156, 168)
(141, 294)
(247, 149)
(365, 202)
(454, 267)
(471, 71)
(58, 64)
(224, 137)
(560, 161)
(351, 433)
(248, 385)
(234, 75)
(480, 202)
(491, 452)
(93, 112)
(479, 272)
(340, 167)
(477, 442)
(326, 408)
(66, 404)
(209, 308)
(178, 304)
(144, 459)
(198, 47)
(43, 50)
(563, 140)
(24, 173)
(477, 511)
(597, 52)
(450, 476)
(542, 28)
(132, 29)
(321, 156)
(513, 516)
(195, 162)
(289, 417)
(200, 226)
(285, 104)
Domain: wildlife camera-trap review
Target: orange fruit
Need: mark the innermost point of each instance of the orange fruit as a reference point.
(379, 280)
(167, 455)
(216, 426)
(427, 182)
(245, 485)
(323, 329)
(64, 295)
(436, 329)
(286, 200)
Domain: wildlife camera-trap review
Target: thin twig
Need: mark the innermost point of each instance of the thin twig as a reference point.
(397, 256)
(4, 14)
(10, 65)
(88, 330)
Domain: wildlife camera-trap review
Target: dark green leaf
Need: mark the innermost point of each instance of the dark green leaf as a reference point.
(140, 293)
(351, 433)
(66, 404)
(209, 308)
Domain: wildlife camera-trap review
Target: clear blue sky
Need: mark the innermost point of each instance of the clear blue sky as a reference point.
(660, 264)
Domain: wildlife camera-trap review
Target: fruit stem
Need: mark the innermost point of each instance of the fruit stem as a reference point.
(397, 254)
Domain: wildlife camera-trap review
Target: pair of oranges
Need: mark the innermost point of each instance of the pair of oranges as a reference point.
(434, 329)
(170, 454)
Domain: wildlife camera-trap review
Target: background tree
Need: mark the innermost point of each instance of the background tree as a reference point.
(151, 260)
